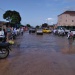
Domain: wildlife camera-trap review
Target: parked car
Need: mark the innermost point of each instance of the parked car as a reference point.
(39, 32)
(47, 31)
(32, 30)
(61, 32)
(66, 31)
(73, 31)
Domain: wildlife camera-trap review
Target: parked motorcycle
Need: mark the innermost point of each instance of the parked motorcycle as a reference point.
(4, 49)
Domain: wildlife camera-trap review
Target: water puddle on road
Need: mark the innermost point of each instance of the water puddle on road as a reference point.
(70, 49)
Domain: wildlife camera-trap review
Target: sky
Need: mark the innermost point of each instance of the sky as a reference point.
(37, 12)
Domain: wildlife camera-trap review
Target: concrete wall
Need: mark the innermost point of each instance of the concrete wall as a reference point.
(2, 25)
(66, 20)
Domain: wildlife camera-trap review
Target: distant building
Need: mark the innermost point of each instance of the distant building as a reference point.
(2, 24)
(52, 26)
(66, 19)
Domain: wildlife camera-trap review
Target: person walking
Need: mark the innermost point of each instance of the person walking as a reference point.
(5, 34)
(21, 30)
(1, 35)
(70, 35)
(8, 30)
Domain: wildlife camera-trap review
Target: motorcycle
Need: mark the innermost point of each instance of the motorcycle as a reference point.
(70, 35)
(4, 49)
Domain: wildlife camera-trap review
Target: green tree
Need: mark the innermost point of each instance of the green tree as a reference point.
(45, 25)
(37, 26)
(12, 16)
(28, 25)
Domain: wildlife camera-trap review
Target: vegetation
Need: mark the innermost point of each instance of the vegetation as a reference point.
(37, 26)
(45, 25)
(12, 16)
(28, 25)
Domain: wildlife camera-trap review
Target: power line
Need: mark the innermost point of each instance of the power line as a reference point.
(2, 9)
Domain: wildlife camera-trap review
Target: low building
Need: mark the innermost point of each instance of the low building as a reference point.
(2, 24)
(52, 26)
(67, 19)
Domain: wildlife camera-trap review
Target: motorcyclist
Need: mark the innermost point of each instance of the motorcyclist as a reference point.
(70, 34)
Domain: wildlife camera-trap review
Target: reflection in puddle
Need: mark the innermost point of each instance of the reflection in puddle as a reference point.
(70, 49)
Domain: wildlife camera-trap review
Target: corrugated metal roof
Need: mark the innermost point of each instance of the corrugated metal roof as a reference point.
(72, 13)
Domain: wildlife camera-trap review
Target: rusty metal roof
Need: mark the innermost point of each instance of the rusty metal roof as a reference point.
(72, 13)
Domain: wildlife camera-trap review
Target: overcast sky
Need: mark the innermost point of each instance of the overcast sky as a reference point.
(36, 12)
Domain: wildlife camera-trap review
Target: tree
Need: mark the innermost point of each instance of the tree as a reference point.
(28, 25)
(12, 16)
(45, 25)
(37, 26)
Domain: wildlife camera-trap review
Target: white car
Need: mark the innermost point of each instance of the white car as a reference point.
(39, 32)
(73, 31)
(61, 32)
(32, 30)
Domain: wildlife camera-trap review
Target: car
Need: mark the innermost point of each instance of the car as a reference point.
(73, 31)
(61, 32)
(47, 31)
(32, 30)
(39, 32)
(67, 31)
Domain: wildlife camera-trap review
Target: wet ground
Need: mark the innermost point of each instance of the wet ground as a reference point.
(40, 55)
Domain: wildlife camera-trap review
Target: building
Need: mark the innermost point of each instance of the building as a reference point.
(2, 24)
(67, 19)
(52, 26)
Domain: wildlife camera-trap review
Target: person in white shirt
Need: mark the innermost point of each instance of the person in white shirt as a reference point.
(1, 35)
(21, 30)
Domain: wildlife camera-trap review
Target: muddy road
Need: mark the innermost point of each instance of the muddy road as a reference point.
(40, 55)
